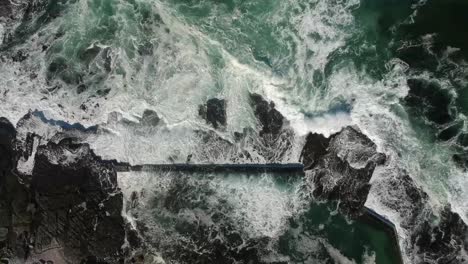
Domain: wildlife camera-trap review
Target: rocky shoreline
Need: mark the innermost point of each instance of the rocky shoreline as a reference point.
(61, 202)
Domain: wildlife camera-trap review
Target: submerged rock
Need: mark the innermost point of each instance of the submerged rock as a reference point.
(431, 100)
(150, 118)
(214, 112)
(438, 19)
(461, 160)
(341, 167)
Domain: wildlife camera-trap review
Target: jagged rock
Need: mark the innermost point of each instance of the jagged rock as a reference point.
(5, 8)
(78, 202)
(433, 237)
(429, 236)
(14, 198)
(443, 241)
(275, 135)
(69, 204)
(405, 197)
(150, 118)
(7, 135)
(341, 167)
(214, 112)
(270, 119)
(314, 149)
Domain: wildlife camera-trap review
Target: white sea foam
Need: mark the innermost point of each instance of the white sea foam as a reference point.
(258, 206)
(178, 77)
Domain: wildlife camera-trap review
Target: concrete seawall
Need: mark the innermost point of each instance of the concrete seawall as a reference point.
(187, 167)
(373, 218)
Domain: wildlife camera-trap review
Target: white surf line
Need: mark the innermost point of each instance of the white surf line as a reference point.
(325, 124)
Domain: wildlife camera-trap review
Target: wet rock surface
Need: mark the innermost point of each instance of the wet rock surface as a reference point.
(271, 143)
(341, 167)
(271, 120)
(69, 204)
(77, 200)
(214, 112)
(5, 8)
(314, 149)
(275, 136)
(150, 118)
(66, 210)
(431, 235)
(443, 241)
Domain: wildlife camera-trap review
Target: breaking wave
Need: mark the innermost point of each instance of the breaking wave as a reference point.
(108, 61)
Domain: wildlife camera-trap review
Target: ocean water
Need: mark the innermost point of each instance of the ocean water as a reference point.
(326, 64)
(209, 218)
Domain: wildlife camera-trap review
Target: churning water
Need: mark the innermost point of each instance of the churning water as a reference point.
(325, 63)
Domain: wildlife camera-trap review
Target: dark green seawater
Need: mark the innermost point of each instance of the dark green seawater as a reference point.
(267, 209)
(397, 69)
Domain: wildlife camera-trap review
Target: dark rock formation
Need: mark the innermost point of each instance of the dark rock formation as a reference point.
(270, 143)
(441, 241)
(14, 199)
(315, 148)
(214, 112)
(270, 119)
(150, 118)
(7, 135)
(78, 202)
(68, 208)
(275, 135)
(432, 236)
(405, 197)
(5, 8)
(341, 167)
